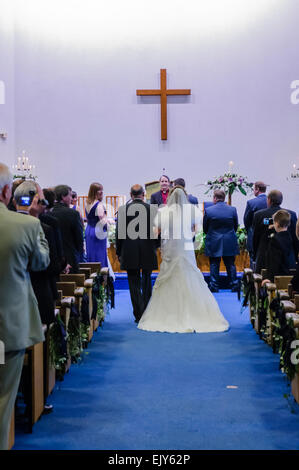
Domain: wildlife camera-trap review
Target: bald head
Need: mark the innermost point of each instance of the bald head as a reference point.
(137, 191)
(5, 183)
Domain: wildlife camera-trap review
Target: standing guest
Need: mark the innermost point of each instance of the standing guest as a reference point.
(70, 226)
(23, 246)
(261, 231)
(280, 254)
(160, 197)
(11, 205)
(96, 230)
(181, 182)
(43, 281)
(295, 280)
(253, 205)
(137, 250)
(220, 223)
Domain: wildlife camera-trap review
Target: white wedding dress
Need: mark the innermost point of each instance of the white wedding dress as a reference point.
(181, 301)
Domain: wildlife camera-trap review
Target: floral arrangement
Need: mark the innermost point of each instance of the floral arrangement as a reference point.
(111, 233)
(229, 183)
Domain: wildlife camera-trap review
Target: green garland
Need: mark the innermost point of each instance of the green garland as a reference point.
(74, 338)
(102, 304)
(56, 356)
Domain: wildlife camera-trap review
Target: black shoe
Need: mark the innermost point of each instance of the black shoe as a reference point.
(48, 409)
(212, 289)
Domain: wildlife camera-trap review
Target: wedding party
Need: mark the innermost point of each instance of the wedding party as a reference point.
(149, 221)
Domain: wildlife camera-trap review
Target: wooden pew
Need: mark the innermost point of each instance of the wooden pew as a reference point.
(11, 437)
(94, 267)
(86, 285)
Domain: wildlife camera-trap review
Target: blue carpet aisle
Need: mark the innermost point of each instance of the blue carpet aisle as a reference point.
(141, 390)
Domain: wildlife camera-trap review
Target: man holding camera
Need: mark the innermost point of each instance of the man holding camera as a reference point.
(263, 228)
(23, 245)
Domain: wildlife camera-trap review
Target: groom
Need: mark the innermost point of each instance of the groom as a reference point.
(136, 247)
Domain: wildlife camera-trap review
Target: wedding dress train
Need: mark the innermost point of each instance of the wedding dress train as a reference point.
(181, 301)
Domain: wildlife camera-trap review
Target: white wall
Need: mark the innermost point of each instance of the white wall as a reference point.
(77, 71)
(7, 120)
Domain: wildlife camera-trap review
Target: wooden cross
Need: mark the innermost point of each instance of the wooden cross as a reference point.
(163, 92)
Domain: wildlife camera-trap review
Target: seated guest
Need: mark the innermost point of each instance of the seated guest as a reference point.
(220, 223)
(70, 226)
(181, 182)
(252, 206)
(280, 255)
(160, 197)
(261, 231)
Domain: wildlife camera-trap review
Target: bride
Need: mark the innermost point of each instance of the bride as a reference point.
(181, 301)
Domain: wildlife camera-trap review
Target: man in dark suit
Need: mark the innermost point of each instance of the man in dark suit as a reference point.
(70, 226)
(136, 247)
(181, 182)
(261, 230)
(252, 206)
(160, 197)
(220, 224)
(280, 255)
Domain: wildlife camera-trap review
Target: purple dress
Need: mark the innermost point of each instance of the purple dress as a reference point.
(96, 249)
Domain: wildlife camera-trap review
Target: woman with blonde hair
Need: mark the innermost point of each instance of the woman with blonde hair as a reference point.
(96, 230)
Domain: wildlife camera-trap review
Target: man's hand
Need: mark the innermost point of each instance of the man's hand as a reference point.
(35, 209)
(67, 269)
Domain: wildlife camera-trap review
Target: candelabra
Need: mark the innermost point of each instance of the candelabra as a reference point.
(295, 173)
(23, 169)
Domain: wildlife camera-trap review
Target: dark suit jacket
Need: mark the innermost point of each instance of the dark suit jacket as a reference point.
(50, 220)
(252, 206)
(156, 198)
(220, 223)
(279, 255)
(43, 282)
(72, 233)
(192, 199)
(261, 234)
(139, 253)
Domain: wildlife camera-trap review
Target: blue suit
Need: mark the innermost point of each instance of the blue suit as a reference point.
(252, 206)
(220, 224)
(192, 199)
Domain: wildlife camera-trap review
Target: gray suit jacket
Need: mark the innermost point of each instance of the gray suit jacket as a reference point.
(22, 246)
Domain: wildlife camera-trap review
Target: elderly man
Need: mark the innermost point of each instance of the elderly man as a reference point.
(23, 246)
(220, 223)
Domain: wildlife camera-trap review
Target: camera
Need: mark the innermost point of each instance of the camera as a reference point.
(268, 221)
(27, 200)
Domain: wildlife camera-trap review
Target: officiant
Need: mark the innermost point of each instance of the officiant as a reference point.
(160, 197)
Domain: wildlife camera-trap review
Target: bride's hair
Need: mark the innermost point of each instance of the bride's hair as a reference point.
(177, 187)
